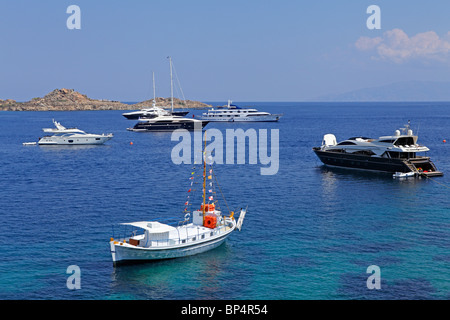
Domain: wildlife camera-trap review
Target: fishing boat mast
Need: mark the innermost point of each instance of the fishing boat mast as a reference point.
(204, 181)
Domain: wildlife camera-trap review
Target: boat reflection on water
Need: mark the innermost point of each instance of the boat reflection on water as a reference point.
(200, 275)
(333, 177)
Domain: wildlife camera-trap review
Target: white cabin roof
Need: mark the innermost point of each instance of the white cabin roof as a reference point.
(151, 226)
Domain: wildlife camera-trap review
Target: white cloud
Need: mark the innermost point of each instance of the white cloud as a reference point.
(366, 43)
(397, 46)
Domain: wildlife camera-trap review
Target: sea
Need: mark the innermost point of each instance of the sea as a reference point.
(310, 233)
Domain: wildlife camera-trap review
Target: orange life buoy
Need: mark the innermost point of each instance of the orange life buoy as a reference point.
(210, 221)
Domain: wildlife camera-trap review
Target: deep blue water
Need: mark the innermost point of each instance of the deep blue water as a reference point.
(310, 232)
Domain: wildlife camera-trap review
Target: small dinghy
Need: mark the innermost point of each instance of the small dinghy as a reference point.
(404, 174)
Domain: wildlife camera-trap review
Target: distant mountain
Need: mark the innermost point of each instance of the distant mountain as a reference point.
(400, 91)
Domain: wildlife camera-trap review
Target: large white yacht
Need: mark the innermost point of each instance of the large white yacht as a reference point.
(233, 113)
(71, 136)
(395, 154)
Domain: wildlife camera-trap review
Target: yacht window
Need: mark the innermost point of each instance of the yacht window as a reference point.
(346, 143)
(365, 152)
(404, 141)
(388, 141)
(400, 155)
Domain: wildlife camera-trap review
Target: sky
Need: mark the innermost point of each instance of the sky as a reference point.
(244, 50)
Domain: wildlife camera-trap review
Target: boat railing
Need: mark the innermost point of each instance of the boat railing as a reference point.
(186, 238)
(417, 158)
(136, 236)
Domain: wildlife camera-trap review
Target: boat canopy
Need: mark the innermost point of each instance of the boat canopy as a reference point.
(329, 140)
(151, 226)
(70, 130)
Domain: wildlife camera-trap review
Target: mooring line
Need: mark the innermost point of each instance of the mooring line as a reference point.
(435, 181)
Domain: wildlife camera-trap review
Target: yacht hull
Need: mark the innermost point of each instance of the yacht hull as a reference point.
(168, 126)
(271, 118)
(347, 160)
(82, 140)
(136, 116)
(132, 116)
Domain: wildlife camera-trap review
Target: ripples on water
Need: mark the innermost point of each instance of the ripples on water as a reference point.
(311, 232)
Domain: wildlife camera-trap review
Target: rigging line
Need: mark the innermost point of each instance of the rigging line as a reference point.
(220, 189)
(178, 81)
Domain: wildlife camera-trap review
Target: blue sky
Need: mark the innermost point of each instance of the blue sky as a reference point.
(247, 50)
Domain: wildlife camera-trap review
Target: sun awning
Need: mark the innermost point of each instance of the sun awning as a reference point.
(151, 226)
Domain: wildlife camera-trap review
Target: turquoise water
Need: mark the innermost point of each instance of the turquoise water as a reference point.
(310, 232)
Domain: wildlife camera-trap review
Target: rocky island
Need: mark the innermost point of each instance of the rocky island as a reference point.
(71, 100)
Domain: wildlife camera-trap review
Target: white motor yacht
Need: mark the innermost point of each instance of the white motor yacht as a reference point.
(396, 154)
(233, 113)
(71, 136)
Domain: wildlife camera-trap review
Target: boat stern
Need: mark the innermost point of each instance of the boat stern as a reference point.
(112, 244)
(424, 166)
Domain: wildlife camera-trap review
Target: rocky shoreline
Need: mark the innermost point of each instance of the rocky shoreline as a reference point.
(71, 100)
